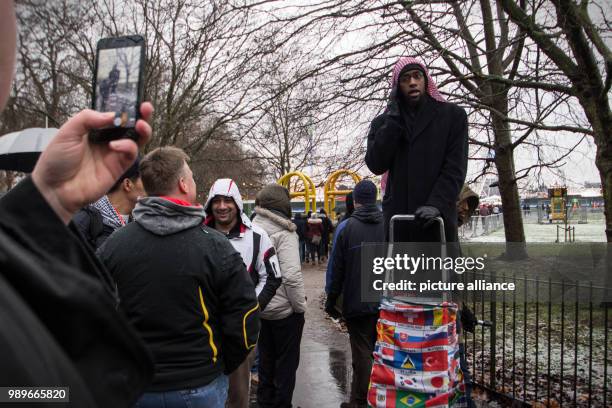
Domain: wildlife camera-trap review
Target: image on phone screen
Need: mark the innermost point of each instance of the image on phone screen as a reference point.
(117, 83)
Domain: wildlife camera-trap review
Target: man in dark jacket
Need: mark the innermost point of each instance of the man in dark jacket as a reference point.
(299, 219)
(98, 221)
(183, 287)
(365, 225)
(421, 141)
(57, 303)
(350, 208)
(327, 230)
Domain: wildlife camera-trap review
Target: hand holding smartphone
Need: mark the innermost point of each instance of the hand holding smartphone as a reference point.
(118, 85)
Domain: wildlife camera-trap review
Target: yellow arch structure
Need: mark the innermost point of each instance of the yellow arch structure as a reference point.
(309, 193)
(330, 191)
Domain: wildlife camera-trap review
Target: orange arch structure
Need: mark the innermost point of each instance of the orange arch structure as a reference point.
(330, 192)
(309, 193)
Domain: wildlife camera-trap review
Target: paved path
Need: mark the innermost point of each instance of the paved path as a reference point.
(323, 378)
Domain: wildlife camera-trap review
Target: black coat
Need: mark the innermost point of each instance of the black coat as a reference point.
(169, 285)
(427, 164)
(365, 225)
(58, 311)
(300, 223)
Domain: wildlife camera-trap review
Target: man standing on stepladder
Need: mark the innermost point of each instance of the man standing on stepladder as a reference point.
(421, 140)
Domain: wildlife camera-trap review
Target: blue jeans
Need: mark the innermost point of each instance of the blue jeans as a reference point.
(212, 395)
(302, 244)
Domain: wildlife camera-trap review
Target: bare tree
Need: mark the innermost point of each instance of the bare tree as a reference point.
(487, 56)
(578, 48)
(45, 84)
(225, 157)
(479, 59)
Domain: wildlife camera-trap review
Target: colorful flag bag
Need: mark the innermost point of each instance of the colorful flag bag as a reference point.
(416, 357)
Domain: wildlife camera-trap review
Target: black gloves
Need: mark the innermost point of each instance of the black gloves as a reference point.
(426, 214)
(330, 307)
(392, 104)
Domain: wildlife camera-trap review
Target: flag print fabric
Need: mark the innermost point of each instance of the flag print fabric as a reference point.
(416, 357)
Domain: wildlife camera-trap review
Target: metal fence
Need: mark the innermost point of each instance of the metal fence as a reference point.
(578, 215)
(542, 354)
(481, 225)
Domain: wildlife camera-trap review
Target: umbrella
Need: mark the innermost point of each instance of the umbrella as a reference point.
(19, 151)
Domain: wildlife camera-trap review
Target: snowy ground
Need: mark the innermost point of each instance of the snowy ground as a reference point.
(527, 348)
(594, 231)
(523, 347)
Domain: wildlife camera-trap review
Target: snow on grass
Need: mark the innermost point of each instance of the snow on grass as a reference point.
(594, 231)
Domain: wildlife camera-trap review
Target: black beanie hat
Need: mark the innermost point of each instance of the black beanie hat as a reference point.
(411, 67)
(365, 193)
(274, 197)
(133, 172)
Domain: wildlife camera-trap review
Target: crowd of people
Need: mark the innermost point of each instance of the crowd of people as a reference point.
(314, 231)
(179, 299)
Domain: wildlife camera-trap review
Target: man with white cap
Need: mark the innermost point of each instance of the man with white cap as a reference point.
(225, 213)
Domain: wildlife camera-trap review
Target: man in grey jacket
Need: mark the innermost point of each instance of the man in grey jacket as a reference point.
(283, 319)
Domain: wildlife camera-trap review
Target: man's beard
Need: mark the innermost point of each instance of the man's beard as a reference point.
(414, 102)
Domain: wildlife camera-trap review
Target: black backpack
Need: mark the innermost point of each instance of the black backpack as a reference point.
(89, 222)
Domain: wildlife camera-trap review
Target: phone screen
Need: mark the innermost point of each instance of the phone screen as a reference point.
(117, 83)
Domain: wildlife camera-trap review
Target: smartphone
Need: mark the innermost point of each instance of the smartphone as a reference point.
(118, 85)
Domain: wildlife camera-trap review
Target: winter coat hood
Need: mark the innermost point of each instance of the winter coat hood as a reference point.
(469, 198)
(369, 214)
(227, 188)
(467, 194)
(164, 217)
(281, 223)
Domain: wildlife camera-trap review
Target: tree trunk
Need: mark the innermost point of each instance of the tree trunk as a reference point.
(604, 164)
(598, 113)
(504, 161)
(508, 189)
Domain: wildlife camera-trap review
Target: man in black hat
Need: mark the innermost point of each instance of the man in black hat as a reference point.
(365, 225)
(421, 142)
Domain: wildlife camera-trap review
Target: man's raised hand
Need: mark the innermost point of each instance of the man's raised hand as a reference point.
(73, 172)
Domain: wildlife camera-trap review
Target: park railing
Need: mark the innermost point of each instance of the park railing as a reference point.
(542, 353)
(575, 215)
(481, 225)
